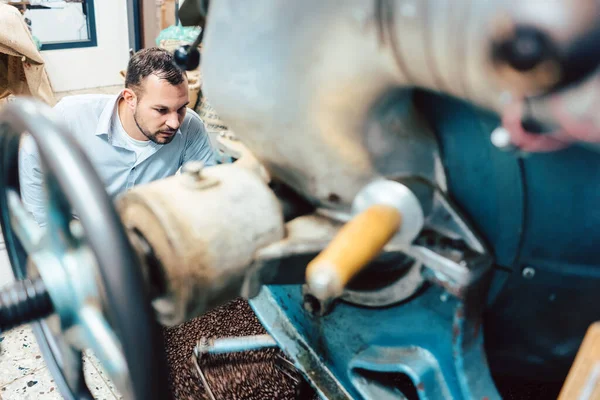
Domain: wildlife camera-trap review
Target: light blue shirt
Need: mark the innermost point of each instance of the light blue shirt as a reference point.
(94, 121)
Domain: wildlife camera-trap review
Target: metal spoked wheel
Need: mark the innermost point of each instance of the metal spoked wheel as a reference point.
(86, 265)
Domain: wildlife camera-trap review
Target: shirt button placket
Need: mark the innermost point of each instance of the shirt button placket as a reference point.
(131, 179)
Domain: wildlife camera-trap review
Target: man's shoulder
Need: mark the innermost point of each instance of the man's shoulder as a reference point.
(192, 124)
(192, 117)
(94, 103)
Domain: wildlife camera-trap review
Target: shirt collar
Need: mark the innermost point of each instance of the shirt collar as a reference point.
(104, 122)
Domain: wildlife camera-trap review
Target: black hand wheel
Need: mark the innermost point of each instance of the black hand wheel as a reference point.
(87, 266)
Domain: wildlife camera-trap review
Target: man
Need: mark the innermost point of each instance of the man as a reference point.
(143, 134)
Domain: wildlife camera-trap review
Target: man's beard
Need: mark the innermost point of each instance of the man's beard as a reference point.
(152, 136)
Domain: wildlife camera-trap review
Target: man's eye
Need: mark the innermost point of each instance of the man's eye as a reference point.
(182, 109)
(161, 110)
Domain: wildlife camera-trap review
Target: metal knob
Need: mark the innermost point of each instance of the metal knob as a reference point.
(187, 57)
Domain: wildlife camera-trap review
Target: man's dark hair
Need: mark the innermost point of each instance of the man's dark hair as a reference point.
(152, 61)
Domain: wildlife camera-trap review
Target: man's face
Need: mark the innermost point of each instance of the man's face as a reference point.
(160, 108)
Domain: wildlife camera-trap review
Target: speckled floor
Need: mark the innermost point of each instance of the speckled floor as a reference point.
(23, 373)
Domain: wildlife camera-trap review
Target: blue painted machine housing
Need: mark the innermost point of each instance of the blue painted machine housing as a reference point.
(539, 211)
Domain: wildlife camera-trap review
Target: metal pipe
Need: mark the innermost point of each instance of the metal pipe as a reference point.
(234, 344)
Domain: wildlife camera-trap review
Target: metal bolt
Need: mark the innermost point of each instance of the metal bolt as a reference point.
(193, 168)
(444, 297)
(528, 272)
(76, 229)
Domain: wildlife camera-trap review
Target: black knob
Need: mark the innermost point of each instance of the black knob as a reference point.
(24, 302)
(187, 57)
(525, 49)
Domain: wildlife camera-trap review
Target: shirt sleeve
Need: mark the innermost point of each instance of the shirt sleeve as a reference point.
(31, 180)
(31, 177)
(198, 146)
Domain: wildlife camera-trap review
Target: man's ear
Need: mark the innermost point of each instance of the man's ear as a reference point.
(130, 98)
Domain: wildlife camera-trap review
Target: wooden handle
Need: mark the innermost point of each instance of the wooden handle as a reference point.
(583, 381)
(355, 245)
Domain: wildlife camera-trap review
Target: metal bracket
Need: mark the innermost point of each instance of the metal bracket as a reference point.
(435, 339)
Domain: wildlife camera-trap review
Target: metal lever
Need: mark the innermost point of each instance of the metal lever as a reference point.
(356, 244)
(384, 211)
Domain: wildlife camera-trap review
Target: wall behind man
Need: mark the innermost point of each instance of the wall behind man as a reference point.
(59, 24)
(89, 67)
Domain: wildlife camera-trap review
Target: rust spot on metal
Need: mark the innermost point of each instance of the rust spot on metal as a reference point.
(485, 398)
(456, 326)
(455, 332)
(421, 386)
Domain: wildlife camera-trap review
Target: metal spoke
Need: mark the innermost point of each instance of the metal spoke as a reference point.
(25, 227)
(100, 338)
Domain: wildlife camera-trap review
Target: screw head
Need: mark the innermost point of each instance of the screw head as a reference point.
(500, 138)
(528, 272)
(76, 229)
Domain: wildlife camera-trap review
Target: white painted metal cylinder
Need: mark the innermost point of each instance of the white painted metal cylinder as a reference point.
(204, 229)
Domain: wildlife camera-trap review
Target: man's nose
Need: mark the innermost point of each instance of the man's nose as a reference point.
(173, 122)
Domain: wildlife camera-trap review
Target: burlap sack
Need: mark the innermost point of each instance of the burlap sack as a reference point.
(22, 70)
(210, 117)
